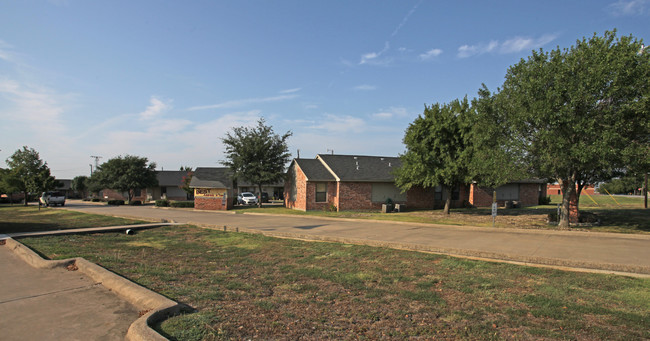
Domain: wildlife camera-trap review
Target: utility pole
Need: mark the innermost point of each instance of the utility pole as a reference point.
(96, 162)
(91, 169)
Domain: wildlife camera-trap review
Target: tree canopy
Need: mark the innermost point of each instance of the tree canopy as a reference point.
(27, 173)
(576, 115)
(126, 174)
(80, 185)
(257, 154)
(438, 149)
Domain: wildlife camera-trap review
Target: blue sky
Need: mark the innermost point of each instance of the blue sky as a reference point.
(167, 79)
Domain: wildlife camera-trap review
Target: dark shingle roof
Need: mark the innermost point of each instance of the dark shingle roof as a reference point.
(66, 184)
(211, 177)
(314, 170)
(170, 178)
(361, 168)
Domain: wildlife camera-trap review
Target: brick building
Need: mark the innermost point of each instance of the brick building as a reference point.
(169, 187)
(347, 182)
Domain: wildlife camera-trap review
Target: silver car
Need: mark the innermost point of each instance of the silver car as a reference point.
(247, 198)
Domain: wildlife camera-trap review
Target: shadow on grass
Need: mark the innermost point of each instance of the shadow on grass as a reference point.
(14, 227)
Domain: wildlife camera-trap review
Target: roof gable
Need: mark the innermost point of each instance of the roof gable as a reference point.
(361, 168)
(212, 177)
(314, 170)
(170, 178)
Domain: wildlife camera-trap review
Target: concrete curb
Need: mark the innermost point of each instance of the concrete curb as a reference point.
(155, 307)
(567, 265)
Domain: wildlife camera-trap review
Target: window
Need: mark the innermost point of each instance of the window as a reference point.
(438, 193)
(321, 192)
(508, 192)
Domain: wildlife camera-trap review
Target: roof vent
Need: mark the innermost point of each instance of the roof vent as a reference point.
(355, 157)
(357, 167)
(382, 159)
(389, 164)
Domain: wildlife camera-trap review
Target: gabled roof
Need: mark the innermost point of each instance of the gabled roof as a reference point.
(361, 168)
(170, 178)
(212, 177)
(314, 170)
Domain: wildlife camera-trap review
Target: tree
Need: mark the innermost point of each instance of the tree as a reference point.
(187, 178)
(28, 173)
(438, 149)
(578, 115)
(257, 154)
(79, 184)
(126, 174)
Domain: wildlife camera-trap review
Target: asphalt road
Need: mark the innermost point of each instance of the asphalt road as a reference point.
(577, 250)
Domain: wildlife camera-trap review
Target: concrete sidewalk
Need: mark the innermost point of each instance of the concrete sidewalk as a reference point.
(576, 250)
(57, 304)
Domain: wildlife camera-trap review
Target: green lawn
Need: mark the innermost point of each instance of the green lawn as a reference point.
(629, 217)
(18, 218)
(248, 286)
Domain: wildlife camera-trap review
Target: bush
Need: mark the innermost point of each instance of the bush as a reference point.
(96, 200)
(545, 200)
(115, 202)
(85, 199)
(162, 203)
(182, 204)
(135, 203)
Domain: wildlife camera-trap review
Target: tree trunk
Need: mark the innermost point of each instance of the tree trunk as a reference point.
(130, 195)
(446, 191)
(563, 218)
(27, 197)
(259, 198)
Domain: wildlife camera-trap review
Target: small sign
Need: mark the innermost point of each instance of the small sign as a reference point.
(494, 209)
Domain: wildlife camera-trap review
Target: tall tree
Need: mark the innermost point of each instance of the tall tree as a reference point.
(126, 174)
(28, 173)
(80, 185)
(580, 114)
(438, 149)
(257, 154)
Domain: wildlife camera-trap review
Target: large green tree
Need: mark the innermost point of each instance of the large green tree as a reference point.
(80, 185)
(28, 173)
(438, 149)
(257, 154)
(577, 115)
(125, 174)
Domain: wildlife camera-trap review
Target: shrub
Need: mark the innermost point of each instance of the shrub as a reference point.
(182, 204)
(545, 200)
(96, 200)
(115, 202)
(162, 203)
(135, 202)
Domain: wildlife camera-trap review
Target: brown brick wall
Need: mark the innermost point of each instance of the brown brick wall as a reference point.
(297, 177)
(528, 195)
(420, 198)
(214, 204)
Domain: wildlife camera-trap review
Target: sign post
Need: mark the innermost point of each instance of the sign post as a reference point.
(494, 207)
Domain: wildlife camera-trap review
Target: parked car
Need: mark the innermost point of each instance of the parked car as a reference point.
(247, 198)
(52, 198)
(265, 197)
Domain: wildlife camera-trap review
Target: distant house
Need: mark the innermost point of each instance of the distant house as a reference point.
(348, 182)
(555, 189)
(66, 188)
(169, 187)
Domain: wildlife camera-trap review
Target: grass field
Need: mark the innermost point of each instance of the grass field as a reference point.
(629, 217)
(18, 218)
(254, 287)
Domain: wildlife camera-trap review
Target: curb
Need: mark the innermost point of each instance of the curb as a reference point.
(156, 306)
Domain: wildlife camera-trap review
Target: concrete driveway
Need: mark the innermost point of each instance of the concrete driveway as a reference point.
(577, 250)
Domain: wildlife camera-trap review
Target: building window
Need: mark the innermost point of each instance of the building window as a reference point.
(321, 192)
(438, 194)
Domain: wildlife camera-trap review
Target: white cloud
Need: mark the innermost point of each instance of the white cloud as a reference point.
(5, 53)
(243, 102)
(340, 124)
(513, 45)
(629, 7)
(155, 108)
(290, 91)
(372, 57)
(365, 87)
(430, 54)
(390, 113)
(405, 19)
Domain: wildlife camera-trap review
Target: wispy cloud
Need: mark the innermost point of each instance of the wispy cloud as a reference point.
(243, 102)
(155, 108)
(340, 124)
(373, 57)
(629, 7)
(430, 54)
(290, 91)
(390, 113)
(365, 87)
(5, 51)
(405, 19)
(513, 45)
